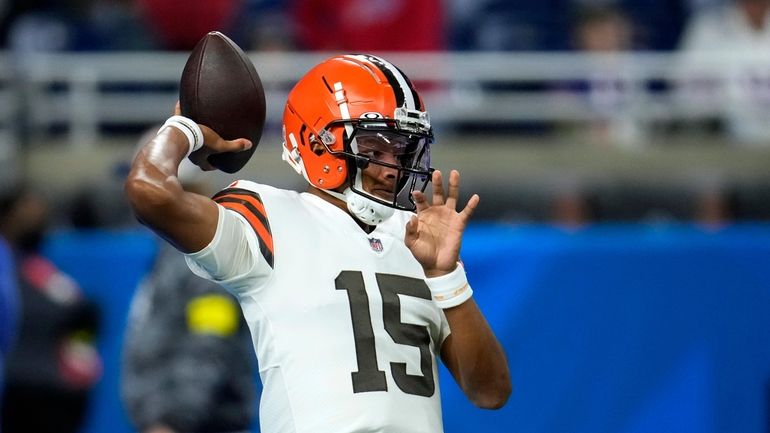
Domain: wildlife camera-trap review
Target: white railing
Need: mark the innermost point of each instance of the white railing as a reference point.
(84, 91)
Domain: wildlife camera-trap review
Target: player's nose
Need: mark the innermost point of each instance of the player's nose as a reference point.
(389, 172)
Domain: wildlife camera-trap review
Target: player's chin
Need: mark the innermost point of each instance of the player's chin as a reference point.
(384, 194)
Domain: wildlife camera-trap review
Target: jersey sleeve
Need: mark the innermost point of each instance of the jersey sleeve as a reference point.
(444, 329)
(238, 258)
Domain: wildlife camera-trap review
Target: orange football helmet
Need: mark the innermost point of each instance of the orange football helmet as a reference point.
(344, 102)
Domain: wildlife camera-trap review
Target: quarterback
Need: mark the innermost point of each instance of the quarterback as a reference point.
(353, 290)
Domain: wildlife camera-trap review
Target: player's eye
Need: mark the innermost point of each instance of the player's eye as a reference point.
(375, 155)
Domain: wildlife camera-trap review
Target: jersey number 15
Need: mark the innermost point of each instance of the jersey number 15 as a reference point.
(368, 378)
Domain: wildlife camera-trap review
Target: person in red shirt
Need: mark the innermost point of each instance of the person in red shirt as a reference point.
(370, 25)
(180, 24)
(54, 363)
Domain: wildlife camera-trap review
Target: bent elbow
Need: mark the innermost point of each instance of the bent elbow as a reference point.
(494, 397)
(146, 197)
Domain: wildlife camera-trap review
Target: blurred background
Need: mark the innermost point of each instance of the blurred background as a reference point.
(620, 148)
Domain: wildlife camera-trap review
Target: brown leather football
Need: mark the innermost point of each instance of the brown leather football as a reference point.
(220, 88)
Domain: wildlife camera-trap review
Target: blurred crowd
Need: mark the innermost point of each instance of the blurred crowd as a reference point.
(48, 355)
(489, 25)
(690, 27)
(187, 362)
(62, 344)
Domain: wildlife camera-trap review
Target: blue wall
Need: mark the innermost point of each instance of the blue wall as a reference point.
(622, 329)
(108, 266)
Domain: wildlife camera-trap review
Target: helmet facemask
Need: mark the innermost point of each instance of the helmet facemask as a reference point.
(381, 143)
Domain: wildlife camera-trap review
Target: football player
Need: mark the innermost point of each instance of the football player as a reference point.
(352, 290)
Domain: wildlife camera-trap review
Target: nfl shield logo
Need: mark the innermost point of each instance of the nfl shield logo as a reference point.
(376, 244)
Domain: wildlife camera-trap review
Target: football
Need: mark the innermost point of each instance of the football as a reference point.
(220, 88)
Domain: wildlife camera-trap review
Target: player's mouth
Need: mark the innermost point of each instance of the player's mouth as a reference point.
(386, 194)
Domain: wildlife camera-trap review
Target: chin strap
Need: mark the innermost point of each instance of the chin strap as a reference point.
(365, 210)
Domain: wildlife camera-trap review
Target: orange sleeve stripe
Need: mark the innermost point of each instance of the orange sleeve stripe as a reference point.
(263, 233)
(250, 199)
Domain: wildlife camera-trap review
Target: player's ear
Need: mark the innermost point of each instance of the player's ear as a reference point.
(317, 147)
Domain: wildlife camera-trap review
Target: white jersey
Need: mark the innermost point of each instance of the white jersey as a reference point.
(346, 333)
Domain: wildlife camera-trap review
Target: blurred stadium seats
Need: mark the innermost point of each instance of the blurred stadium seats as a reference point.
(558, 123)
(646, 327)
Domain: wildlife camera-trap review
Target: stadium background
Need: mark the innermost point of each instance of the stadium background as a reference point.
(621, 248)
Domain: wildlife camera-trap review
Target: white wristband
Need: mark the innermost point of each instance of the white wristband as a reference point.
(450, 290)
(189, 128)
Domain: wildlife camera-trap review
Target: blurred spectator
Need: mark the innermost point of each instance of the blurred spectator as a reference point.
(464, 22)
(47, 25)
(602, 29)
(658, 24)
(9, 305)
(187, 364)
(503, 25)
(266, 26)
(180, 24)
(370, 25)
(696, 5)
(607, 91)
(187, 357)
(737, 82)
(531, 25)
(117, 25)
(54, 363)
(713, 208)
(571, 207)
(101, 205)
(74, 25)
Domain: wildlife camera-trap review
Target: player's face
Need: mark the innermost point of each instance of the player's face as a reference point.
(378, 180)
(390, 163)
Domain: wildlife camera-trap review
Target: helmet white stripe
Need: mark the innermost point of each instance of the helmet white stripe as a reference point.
(342, 101)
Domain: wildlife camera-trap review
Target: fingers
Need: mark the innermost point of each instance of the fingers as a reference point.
(237, 145)
(438, 188)
(218, 144)
(411, 234)
(452, 195)
(214, 141)
(454, 189)
(411, 227)
(470, 207)
(420, 201)
(210, 137)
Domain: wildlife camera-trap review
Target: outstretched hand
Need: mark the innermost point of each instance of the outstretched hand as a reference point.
(434, 235)
(213, 144)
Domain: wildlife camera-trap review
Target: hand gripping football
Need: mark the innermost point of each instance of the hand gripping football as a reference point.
(221, 89)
